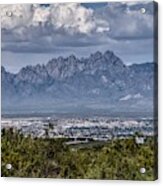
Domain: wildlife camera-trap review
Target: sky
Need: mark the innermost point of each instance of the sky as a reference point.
(33, 34)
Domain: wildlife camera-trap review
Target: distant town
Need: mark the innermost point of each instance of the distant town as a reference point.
(80, 130)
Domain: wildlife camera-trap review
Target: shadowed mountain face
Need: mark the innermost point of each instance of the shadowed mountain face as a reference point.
(101, 81)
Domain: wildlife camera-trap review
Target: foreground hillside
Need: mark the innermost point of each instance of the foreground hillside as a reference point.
(117, 159)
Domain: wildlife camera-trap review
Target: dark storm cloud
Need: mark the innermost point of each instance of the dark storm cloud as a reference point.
(49, 44)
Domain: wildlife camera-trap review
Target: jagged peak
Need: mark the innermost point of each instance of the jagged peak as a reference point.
(97, 54)
(28, 67)
(108, 54)
(72, 57)
(60, 58)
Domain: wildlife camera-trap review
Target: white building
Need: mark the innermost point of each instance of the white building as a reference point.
(139, 140)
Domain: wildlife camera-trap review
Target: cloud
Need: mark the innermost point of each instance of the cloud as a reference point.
(71, 17)
(14, 16)
(127, 21)
(27, 28)
(43, 29)
(44, 43)
(41, 15)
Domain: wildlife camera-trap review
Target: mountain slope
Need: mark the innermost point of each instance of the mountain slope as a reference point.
(100, 79)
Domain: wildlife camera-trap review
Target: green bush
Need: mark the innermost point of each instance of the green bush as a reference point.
(37, 157)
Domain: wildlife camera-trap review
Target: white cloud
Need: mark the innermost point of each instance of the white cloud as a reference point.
(73, 18)
(70, 17)
(40, 15)
(13, 16)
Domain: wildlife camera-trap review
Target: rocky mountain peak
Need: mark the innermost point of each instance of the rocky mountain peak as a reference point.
(102, 76)
(97, 55)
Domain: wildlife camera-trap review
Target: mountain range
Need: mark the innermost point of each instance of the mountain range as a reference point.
(100, 81)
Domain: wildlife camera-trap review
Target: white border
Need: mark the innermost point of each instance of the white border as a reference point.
(42, 182)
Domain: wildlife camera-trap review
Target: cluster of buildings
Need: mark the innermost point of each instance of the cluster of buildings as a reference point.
(101, 129)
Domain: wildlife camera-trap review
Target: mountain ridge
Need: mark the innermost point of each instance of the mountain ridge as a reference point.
(100, 78)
